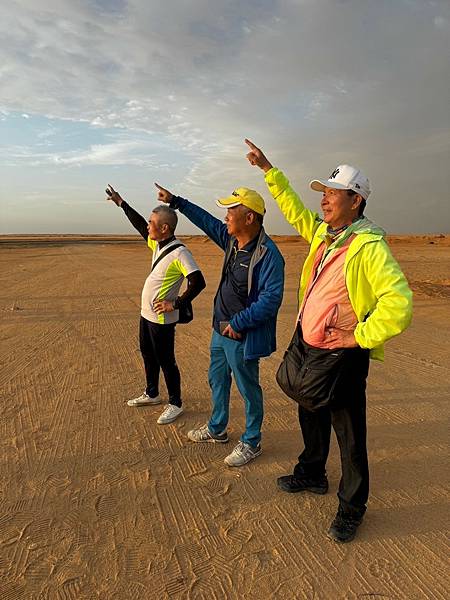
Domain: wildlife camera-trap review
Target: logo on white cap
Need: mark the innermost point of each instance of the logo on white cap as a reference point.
(344, 177)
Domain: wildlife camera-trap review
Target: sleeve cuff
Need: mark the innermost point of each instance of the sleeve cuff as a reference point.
(177, 202)
(270, 175)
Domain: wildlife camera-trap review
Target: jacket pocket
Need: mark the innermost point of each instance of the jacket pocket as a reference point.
(331, 319)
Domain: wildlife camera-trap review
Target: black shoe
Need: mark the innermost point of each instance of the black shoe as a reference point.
(292, 484)
(343, 528)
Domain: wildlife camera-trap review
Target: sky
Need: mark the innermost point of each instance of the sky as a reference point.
(129, 92)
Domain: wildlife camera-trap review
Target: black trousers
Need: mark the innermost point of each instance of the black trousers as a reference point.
(346, 413)
(157, 343)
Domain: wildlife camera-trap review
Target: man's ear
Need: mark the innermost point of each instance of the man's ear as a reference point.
(250, 217)
(356, 201)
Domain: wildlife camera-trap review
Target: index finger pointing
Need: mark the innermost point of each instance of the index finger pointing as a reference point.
(250, 144)
(160, 188)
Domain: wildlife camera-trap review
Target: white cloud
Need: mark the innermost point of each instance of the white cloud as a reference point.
(122, 153)
(310, 81)
(119, 153)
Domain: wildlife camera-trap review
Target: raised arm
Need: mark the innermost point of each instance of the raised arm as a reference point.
(304, 220)
(214, 228)
(134, 217)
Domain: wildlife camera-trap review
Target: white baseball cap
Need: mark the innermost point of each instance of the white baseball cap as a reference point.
(344, 177)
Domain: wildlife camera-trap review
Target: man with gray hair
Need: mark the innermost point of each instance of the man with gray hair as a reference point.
(160, 303)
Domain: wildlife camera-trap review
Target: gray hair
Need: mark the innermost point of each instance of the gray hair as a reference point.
(167, 216)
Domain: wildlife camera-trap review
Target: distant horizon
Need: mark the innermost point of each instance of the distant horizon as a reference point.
(190, 235)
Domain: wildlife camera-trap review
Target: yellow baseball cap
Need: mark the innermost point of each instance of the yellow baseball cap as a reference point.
(246, 197)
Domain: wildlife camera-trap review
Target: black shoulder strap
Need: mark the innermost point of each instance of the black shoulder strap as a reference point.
(165, 253)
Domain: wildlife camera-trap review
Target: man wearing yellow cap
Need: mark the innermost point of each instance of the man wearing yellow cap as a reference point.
(353, 297)
(245, 312)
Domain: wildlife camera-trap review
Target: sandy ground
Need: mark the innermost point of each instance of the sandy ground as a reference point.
(98, 501)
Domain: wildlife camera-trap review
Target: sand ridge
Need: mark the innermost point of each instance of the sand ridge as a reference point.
(98, 501)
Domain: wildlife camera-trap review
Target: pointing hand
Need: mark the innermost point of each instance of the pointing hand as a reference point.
(113, 195)
(163, 194)
(256, 157)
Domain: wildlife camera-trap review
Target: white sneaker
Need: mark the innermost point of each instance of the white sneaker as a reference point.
(171, 413)
(144, 400)
(203, 434)
(242, 454)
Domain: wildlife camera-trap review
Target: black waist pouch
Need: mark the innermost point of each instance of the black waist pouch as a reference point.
(185, 312)
(309, 375)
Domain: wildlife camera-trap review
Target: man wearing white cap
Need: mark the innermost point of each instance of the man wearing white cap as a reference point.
(353, 297)
(245, 313)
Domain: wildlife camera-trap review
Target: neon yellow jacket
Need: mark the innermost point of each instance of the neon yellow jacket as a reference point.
(377, 288)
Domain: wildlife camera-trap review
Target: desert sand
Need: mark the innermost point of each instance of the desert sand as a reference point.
(98, 501)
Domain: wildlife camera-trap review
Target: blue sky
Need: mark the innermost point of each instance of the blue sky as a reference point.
(132, 92)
